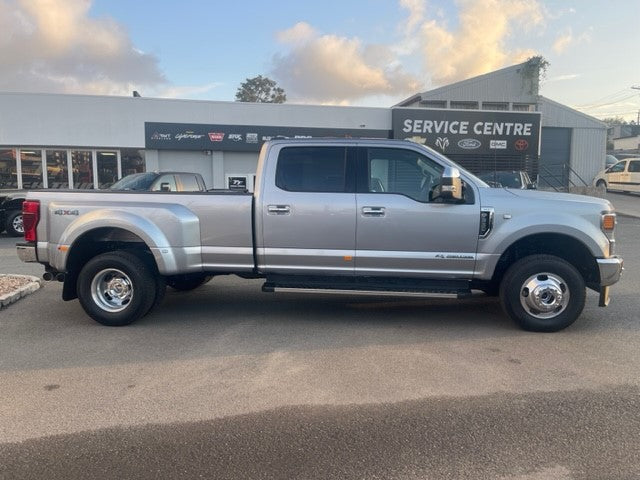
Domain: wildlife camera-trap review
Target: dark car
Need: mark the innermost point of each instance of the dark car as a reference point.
(508, 179)
(610, 160)
(11, 206)
(11, 212)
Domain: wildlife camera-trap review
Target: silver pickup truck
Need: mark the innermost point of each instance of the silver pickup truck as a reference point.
(356, 217)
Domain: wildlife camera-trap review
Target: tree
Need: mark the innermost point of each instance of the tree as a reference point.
(610, 121)
(260, 89)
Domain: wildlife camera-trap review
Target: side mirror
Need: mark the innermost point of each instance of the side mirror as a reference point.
(451, 185)
(164, 187)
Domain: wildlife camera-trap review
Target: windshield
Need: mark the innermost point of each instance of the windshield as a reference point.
(506, 179)
(136, 181)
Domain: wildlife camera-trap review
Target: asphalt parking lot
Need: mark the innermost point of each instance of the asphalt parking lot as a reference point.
(230, 382)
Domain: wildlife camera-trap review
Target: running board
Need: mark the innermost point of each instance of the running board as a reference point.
(457, 294)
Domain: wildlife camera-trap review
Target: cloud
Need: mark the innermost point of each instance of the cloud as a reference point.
(562, 42)
(416, 10)
(567, 39)
(479, 42)
(336, 69)
(54, 46)
(562, 78)
(186, 91)
(301, 32)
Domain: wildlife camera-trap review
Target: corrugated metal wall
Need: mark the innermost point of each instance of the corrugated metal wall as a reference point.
(588, 151)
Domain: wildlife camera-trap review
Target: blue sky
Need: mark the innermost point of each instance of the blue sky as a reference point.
(356, 52)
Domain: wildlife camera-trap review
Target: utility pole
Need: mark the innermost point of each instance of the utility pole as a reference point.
(636, 87)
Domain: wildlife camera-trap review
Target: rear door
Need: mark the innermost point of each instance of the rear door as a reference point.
(309, 217)
(400, 231)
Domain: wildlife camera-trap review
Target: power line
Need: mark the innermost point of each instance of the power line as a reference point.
(595, 105)
(606, 97)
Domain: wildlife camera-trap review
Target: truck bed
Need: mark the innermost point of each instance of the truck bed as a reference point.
(186, 231)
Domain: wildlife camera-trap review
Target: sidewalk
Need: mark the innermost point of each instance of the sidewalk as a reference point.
(627, 204)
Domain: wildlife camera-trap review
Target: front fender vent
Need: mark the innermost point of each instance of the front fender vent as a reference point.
(486, 221)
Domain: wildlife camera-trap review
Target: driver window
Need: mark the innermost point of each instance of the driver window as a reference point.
(402, 171)
(618, 167)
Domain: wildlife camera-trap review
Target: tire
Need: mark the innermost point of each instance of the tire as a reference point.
(116, 288)
(560, 293)
(602, 186)
(161, 283)
(185, 283)
(13, 225)
(161, 291)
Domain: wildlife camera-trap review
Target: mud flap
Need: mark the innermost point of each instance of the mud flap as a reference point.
(604, 297)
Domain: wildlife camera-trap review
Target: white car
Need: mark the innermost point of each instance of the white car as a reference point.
(623, 176)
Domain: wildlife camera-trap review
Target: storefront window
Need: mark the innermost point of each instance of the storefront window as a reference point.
(8, 169)
(57, 172)
(132, 161)
(31, 162)
(107, 169)
(82, 164)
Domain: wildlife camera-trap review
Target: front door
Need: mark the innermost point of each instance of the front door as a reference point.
(308, 219)
(615, 176)
(400, 230)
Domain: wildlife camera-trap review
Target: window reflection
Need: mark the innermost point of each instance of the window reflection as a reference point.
(107, 169)
(132, 161)
(31, 163)
(57, 171)
(82, 169)
(8, 169)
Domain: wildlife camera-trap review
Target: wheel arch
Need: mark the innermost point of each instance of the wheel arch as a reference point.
(560, 245)
(95, 242)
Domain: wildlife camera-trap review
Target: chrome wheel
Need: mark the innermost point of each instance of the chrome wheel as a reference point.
(17, 225)
(544, 295)
(111, 290)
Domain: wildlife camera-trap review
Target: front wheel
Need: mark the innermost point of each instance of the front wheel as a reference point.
(116, 288)
(13, 225)
(543, 293)
(601, 186)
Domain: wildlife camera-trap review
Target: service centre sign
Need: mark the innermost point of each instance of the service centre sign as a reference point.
(242, 138)
(469, 131)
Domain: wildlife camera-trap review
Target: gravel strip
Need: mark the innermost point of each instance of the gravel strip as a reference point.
(14, 287)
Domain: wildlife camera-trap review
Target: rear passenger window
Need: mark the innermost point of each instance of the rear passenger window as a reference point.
(312, 169)
(189, 183)
(634, 166)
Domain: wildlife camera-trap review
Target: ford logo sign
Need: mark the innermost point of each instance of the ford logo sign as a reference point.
(469, 143)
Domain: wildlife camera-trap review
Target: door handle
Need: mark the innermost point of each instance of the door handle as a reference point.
(373, 211)
(279, 209)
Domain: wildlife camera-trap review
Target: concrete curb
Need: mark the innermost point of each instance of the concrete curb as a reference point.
(34, 285)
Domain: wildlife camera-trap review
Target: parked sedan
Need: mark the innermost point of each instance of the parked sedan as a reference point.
(508, 179)
(624, 176)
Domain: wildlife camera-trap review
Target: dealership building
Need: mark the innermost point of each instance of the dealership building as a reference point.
(496, 121)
